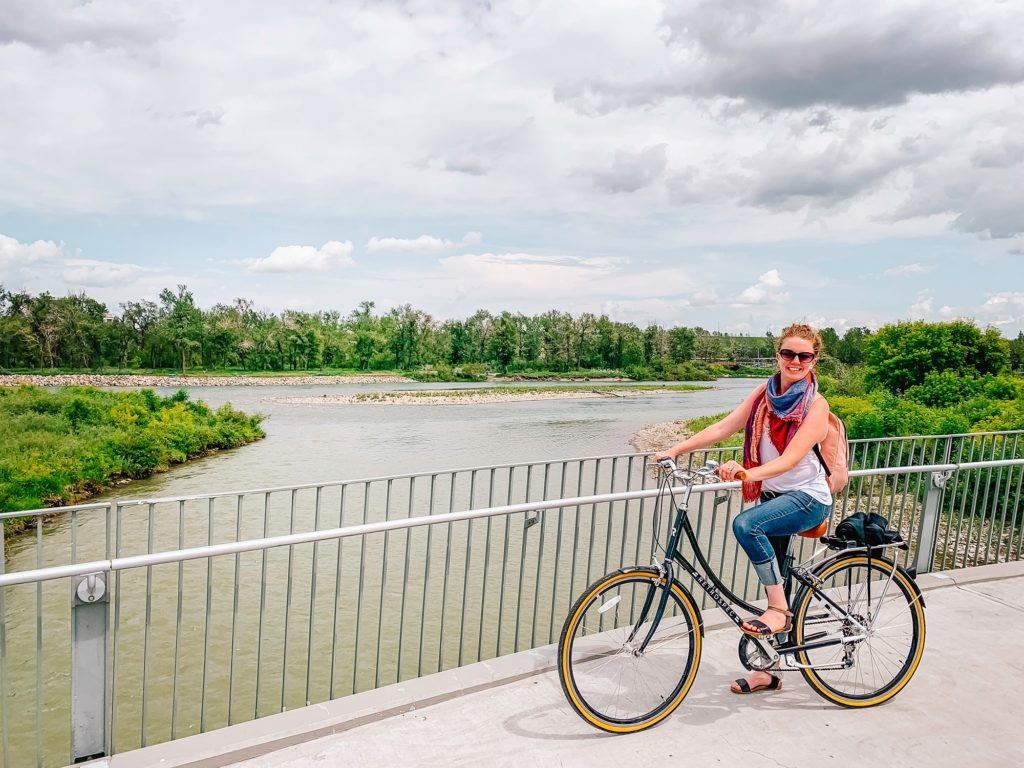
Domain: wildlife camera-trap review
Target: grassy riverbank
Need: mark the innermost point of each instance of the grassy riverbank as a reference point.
(62, 447)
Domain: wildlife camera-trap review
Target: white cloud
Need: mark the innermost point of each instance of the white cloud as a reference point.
(922, 306)
(17, 254)
(421, 244)
(767, 290)
(472, 238)
(1003, 308)
(305, 258)
(90, 273)
(908, 269)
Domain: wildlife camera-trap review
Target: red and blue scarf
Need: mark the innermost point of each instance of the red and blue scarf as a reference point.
(782, 413)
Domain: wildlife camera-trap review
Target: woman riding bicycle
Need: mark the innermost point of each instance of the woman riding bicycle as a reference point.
(783, 420)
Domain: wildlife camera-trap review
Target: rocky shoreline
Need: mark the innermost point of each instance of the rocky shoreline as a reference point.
(658, 437)
(145, 380)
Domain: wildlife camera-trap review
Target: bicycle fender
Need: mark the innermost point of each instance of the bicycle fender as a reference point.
(683, 589)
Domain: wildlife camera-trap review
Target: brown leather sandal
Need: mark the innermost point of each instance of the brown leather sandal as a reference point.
(744, 686)
(760, 629)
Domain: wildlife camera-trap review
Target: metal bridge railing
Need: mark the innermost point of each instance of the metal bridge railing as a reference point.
(133, 622)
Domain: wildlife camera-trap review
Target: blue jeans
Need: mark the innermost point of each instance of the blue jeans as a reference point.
(788, 513)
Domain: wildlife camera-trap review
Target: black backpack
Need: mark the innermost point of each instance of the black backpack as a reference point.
(867, 530)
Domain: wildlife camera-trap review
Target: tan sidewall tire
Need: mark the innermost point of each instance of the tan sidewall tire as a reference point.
(809, 674)
(577, 610)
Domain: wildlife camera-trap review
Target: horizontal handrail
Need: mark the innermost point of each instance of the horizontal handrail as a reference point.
(251, 545)
(431, 473)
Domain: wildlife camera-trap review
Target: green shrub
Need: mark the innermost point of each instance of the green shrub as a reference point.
(942, 389)
(55, 446)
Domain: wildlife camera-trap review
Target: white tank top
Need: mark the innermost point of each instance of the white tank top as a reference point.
(807, 476)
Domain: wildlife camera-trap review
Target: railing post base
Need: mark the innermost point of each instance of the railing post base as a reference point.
(924, 555)
(89, 667)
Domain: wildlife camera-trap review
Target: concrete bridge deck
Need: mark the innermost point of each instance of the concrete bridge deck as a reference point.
(963, 708)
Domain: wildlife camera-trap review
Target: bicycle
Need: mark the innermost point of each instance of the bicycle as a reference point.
(631, 644)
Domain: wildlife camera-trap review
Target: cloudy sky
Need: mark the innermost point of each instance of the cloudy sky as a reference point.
(734, 164)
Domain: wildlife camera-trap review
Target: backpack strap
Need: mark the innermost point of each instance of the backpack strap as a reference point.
(824, 464)
(817, 448)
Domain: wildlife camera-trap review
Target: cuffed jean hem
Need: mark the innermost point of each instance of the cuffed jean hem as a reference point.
(768, 572)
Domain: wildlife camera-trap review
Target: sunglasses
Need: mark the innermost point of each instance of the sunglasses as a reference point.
(789, 354)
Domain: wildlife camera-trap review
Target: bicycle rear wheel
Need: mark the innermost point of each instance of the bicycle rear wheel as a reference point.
(873, 670)
(607, 679)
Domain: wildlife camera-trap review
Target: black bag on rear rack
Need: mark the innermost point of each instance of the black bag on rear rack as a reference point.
(869, 530)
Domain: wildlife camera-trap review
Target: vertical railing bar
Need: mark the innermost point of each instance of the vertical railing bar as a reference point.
(119, 525)
(426, 575)
(944, 518)
(522, 564)
(625, 527)
(39, 643)
(177, 625)
(209, 612)
(963, 501)
(895, 482)
(625, 517)
(146, 629)
(405, 581)
(938, 511)
(906, 495)
(576, 531)
(383, 579)
(736, 545)
(234, 610)
(312, 596)
(726, 530)
(359, 598)
(974, 507)
(263, 604)
(288, 600)
(4, 724)
(593, 524)
(608, 521)
(540, 558)
(639, 532)
(465, 573)
(108, 526)
(558, 550)
(504, 566)
(447, 566)
(487, 562)
(1016, 506)
(337, 593)
(608, 532)
(1006, 503)
(992, 524)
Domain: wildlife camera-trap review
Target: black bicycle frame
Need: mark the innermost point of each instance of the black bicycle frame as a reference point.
(713, 586)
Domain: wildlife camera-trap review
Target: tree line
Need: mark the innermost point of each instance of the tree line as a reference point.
(78, 332)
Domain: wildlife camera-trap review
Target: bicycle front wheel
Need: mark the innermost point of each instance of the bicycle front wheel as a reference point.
(610, 678)
(881, 597)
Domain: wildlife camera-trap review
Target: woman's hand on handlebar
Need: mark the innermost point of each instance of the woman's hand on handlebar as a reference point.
(656, 457)
(731, 470)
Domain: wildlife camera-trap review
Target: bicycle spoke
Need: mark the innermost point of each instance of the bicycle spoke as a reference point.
(610, 675)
